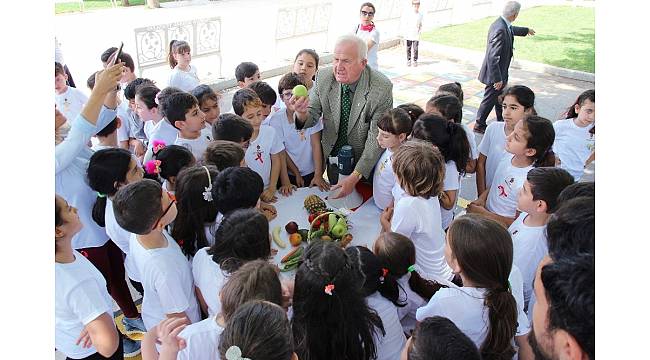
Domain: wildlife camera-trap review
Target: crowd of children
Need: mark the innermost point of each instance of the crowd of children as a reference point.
(177, 197)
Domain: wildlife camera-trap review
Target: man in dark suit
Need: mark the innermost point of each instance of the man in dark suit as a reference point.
(351, 97)
(498, 53)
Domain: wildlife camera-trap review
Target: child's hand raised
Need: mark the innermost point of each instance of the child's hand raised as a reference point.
(108, 79)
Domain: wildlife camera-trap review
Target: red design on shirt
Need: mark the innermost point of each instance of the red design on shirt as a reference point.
(84, 253)
(502, 191)
(258, 155)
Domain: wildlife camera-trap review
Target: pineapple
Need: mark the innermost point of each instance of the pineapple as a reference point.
(315, 204)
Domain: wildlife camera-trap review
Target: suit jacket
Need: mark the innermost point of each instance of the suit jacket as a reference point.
(498, 52)
(373, 96)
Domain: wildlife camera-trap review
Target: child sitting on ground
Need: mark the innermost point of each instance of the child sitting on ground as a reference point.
(145, 209)
(419, 171)
(224, 154)
(394, 127)
(303, 147)
(263, 153)
(537, 200)
(528, 146)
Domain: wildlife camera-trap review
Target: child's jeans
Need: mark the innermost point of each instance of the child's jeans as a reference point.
(414, 44)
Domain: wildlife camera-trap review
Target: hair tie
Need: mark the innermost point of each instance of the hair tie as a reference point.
(507, 288)
(207, 194)
(156, 99)
(234, 353)
(328, 289)
(152, 167)
(411, 268)
(157, 146)
(101, 195)
(384, 273)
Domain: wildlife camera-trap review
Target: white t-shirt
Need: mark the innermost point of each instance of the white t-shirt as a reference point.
(472, 141)
(258, 154)
(529, 246)
(493, 146)
(71, 163)
(123, 113)
(508, 180)
(195, 146)
(573, 145)
(202, 339)
(296, 142)
(419, 220)
(148, 128)
(70, 104)
(413, 302)
(372, 52)
(80, 297)
(389, 346)
(465, 307)
(412, 24)
(397, 192)
(184, 80)
(121, 238)
(167, 281)
(209, 278)
(451, 182)
(384, 180)
(162, 131)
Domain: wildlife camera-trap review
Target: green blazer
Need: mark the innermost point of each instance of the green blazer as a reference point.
(373, 96)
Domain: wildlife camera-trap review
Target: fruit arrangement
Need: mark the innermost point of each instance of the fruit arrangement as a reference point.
(326, 224)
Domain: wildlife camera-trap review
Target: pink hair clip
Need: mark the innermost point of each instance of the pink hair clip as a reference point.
(328, 289)
(157, 146)
(152, 167)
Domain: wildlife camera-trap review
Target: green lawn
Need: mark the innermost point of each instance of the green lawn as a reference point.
(565, 36)
(67, 7)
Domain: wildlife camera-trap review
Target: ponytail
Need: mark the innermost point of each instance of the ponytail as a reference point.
(170, 55)
(502, 315)
(377, 277)
(459, 148)
(425, 288)
(106, 168)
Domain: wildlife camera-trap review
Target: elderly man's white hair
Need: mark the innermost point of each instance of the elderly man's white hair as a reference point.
(361, 45)
(512, 8)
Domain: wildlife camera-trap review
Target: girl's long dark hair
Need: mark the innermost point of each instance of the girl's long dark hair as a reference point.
(397, 253)
(449, 137)
(586, 95)
(336, 326)
(483, 249)
(106, 168)
(194, 212)
(541, 136)
(377, 277)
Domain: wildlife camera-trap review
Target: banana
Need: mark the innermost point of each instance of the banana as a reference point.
(276, 237)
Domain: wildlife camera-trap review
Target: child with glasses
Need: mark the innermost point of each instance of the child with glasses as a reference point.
(305, 156)
(145, 209)
(369, 33)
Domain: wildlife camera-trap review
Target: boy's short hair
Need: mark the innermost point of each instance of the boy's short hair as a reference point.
(237, 188)
(448, 106)
(91, 80)
(571, 229)
(130, 89)
(244, 98)
(245, 69)
(108, 129)
(587, 188)
(420, 168)
(176, 105)
(232, 127)
(439, 338)
(137, 206)
(58, 69)
(289, 81)
(223, 154)
(546, 184)
(126, 59)
(204, 92)
(107, 54)
(265, 92)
